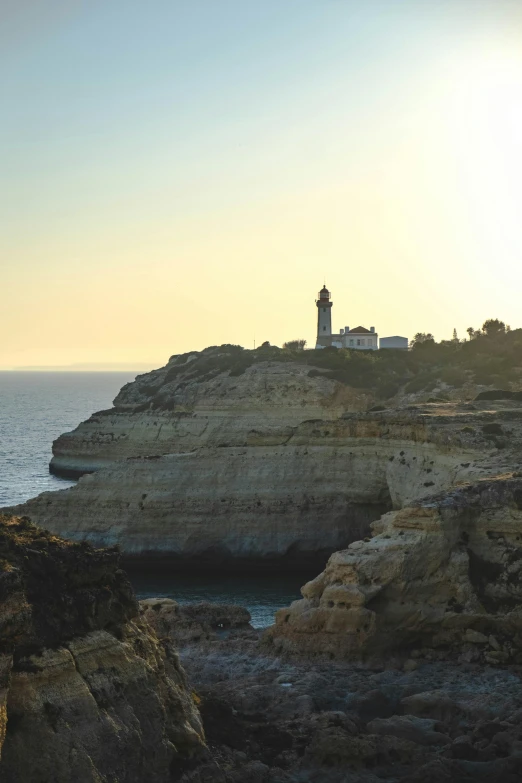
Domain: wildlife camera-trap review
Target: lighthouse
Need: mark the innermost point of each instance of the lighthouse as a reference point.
(358, 339)
(324, 318)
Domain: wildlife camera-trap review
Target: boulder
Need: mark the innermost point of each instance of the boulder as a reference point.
(419, 730)
(194, 622)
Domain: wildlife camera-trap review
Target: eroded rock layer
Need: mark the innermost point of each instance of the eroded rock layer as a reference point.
(87, 692)
(295, 503)
(208, 461)
(179, 408)
(443, 573)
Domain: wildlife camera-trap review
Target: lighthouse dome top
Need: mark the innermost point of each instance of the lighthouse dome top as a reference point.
(324, 293)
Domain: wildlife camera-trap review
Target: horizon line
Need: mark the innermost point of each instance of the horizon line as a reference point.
(83, 367)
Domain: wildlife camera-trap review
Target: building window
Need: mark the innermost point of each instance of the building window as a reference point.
(351, 342)
(324, 328)
(324, 309)
(358, 342)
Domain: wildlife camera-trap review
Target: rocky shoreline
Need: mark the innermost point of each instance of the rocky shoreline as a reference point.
(272, 718)
(97, 687)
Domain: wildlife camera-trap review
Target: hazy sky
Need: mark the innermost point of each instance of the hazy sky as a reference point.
(183, 173)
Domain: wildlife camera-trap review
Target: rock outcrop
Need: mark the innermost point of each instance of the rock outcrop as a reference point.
(87, 692)
(217, 459)
(442, 575)
(193, 622)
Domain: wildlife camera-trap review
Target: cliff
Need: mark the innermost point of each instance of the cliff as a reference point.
(261, 504)
(211, 461)
(87, 692)
(228, 396)
(203, 400)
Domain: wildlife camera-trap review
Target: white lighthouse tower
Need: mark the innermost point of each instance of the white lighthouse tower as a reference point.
(324, 318)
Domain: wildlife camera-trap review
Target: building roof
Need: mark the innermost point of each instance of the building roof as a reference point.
(360, 330)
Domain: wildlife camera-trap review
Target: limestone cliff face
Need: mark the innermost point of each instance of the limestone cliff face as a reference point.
(210, 461)
(443, 573)
(87, 692)
(295, 502)
(178, 409)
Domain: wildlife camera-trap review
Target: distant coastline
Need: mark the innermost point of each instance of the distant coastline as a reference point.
(85, 367)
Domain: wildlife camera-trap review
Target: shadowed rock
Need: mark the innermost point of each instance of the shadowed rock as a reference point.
(87, 692)
(442, 574)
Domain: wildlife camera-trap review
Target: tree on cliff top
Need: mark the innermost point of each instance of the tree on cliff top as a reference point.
(295, 345)
(421, 338)
(493, 327)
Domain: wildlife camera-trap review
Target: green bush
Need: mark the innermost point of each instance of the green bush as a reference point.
(454, 376)
(423, 382)
(492, 429)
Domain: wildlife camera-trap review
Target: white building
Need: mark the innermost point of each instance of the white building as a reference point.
(396, 342)
(358, 339)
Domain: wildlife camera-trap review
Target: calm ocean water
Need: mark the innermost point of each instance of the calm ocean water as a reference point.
(35, 408)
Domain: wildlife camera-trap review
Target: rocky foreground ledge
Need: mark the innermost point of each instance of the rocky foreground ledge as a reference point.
(87, 692)
(270, 718)
(92, 690)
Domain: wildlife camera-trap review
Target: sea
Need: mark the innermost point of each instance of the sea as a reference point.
(37, 407)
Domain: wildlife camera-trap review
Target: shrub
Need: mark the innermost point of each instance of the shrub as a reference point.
(423, 382)
(454, 376)
(387, 389)
(495, 394)
(295, 345)
(492, 429)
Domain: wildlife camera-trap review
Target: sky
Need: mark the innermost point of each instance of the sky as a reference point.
(181, 174)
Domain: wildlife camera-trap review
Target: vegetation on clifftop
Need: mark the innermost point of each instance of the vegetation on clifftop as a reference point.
(490, 359)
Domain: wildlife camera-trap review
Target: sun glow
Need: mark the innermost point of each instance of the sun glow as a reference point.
(485, 123)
